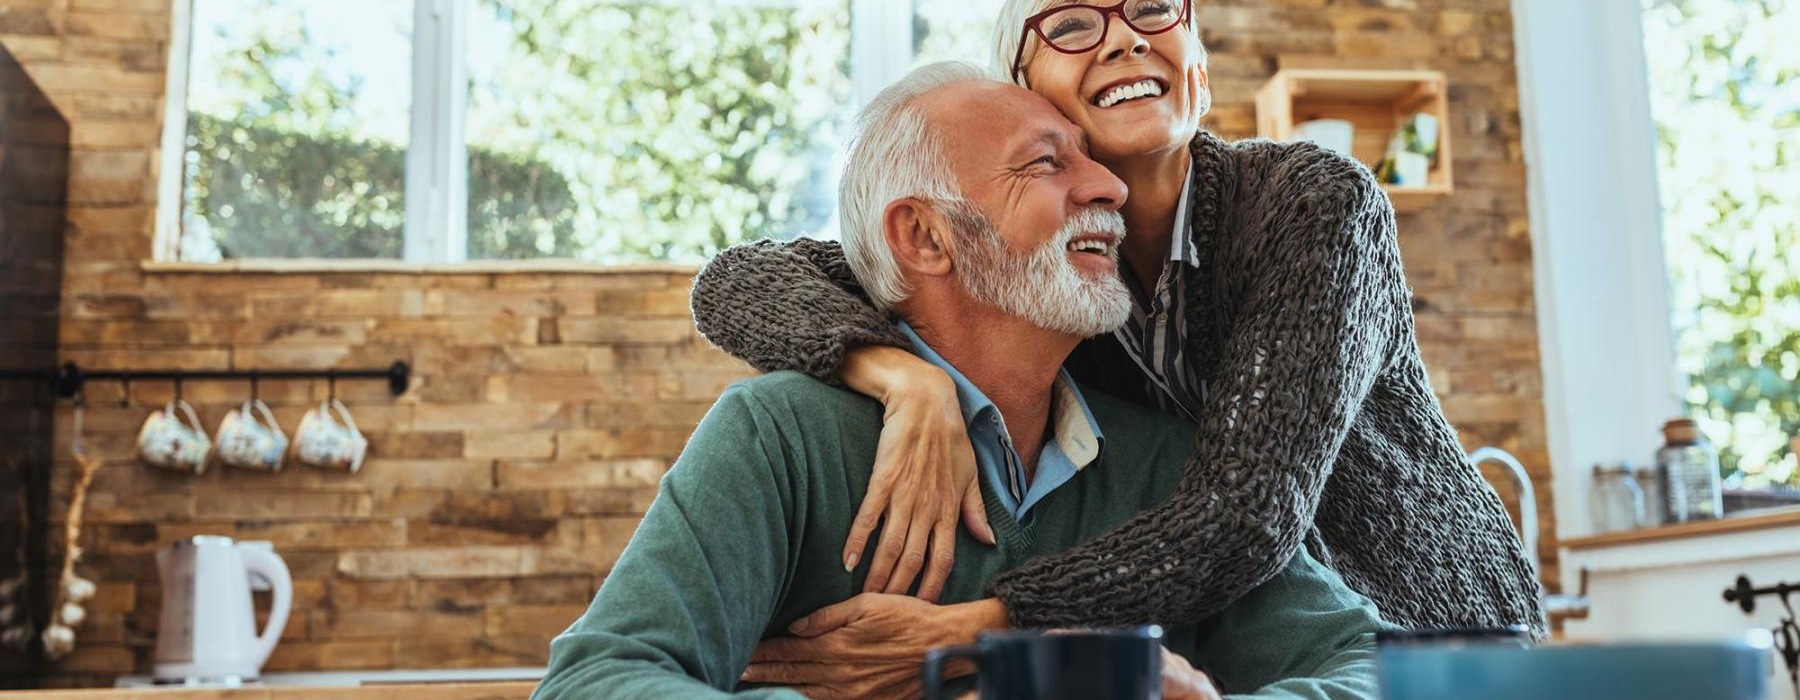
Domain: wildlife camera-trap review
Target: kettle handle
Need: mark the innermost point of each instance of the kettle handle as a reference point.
(258, 560)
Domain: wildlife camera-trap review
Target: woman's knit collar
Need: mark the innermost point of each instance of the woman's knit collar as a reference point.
(1214, 183)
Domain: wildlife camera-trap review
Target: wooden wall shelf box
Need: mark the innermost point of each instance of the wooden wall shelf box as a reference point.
(1375, 102)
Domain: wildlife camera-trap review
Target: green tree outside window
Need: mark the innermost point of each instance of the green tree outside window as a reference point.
(1725, 91)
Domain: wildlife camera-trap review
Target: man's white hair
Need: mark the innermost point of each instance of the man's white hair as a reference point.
(1009, 30)
(894, 154)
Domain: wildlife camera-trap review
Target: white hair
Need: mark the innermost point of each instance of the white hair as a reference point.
(894, 153)
(1009, 30)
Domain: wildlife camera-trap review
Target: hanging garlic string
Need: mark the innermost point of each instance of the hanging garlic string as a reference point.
(71, 591)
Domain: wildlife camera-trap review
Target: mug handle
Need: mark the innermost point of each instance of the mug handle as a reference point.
(343, 412)
(267, 415)
(193, 420)
(934, 666)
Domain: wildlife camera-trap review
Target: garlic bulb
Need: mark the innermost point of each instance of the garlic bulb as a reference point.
(16, 637)
(11, 586)
(8, 611)
(59, 640)
(71, 614)
(78, 589)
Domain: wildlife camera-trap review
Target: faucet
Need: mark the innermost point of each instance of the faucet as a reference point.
(1558, 606)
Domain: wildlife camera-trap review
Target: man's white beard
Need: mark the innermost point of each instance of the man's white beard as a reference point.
(1042, 286)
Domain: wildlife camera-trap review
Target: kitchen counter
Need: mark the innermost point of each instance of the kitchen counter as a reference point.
(508, 690)
(1743, 522)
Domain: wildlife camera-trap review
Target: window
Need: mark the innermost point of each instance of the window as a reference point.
(297, 129)
(1725, 93)
(451, 130)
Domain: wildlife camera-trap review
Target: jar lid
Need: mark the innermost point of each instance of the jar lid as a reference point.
(1608, 469)
(1681, 430)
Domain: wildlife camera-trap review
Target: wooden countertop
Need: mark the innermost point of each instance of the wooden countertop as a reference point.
(508, 690)
(1785, 517)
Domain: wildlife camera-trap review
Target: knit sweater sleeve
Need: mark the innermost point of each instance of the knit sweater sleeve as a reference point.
(788, 305)
(1299, 355)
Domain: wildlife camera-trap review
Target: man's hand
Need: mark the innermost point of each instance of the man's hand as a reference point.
(870, 646)
(1182, 682)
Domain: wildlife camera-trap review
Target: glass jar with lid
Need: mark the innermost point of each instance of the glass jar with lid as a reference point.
(1616, 502)
(1690, 473)
(1650, 481)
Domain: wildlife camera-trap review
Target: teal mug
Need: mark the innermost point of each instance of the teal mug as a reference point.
(1642, 671)
(1124, 664)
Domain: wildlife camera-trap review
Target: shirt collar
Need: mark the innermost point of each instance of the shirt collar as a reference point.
(1076, 432)
(1181, 241)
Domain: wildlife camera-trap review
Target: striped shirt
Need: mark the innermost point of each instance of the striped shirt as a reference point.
(1158, 323)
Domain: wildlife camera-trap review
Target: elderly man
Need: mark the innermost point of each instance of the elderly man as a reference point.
(994, 240)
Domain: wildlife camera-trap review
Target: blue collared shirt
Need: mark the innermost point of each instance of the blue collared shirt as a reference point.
(1073, 444)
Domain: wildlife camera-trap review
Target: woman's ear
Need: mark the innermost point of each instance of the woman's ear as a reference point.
(1200, 80)
(1205, 62)
(918, 237)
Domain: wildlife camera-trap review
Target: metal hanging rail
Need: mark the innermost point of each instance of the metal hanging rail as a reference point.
(70, 378)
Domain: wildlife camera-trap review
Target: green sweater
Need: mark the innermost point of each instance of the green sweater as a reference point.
(746, 532)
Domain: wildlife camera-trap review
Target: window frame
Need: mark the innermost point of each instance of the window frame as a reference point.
(1606, 332)
(436, 233)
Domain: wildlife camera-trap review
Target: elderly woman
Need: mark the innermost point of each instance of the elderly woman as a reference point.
(1270, 309)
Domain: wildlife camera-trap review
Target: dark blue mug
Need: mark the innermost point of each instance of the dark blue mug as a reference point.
(1035, 665)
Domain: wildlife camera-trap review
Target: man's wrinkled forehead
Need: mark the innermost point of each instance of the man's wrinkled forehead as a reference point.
(999, 118)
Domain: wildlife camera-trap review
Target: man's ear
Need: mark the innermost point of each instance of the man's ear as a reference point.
(918, 236)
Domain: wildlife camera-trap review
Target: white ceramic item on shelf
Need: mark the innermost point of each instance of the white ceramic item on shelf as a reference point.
(207, 635)
(249, 438)
(1335, 135)
(174, 439)
(328, 438)
(1413, 169)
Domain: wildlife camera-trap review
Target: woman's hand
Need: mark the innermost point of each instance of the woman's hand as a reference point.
(1182, 682)
(870, 646)
(924, 475)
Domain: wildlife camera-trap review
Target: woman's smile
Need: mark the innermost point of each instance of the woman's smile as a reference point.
(1133, 94)
(1129, 91)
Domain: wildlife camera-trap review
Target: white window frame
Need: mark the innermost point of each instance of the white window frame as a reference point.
(437, 155)
(436, 229)
(1603, 299)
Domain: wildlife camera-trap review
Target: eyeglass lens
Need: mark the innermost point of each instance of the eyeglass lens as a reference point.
(1080, 27)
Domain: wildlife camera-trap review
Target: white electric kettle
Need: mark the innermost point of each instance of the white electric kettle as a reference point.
(208, 631)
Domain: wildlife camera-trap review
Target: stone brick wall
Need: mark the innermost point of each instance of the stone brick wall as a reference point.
(546, 405)
(1468, 258)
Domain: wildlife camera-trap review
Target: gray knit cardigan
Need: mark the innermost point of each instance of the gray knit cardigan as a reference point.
(1318, 423)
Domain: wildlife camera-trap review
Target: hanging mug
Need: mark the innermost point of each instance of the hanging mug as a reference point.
(249, 438)
(173, 439)
(327, 438)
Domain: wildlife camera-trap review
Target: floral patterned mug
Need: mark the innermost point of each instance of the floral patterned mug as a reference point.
(174, 439)
(328, 438)
(249, 438)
